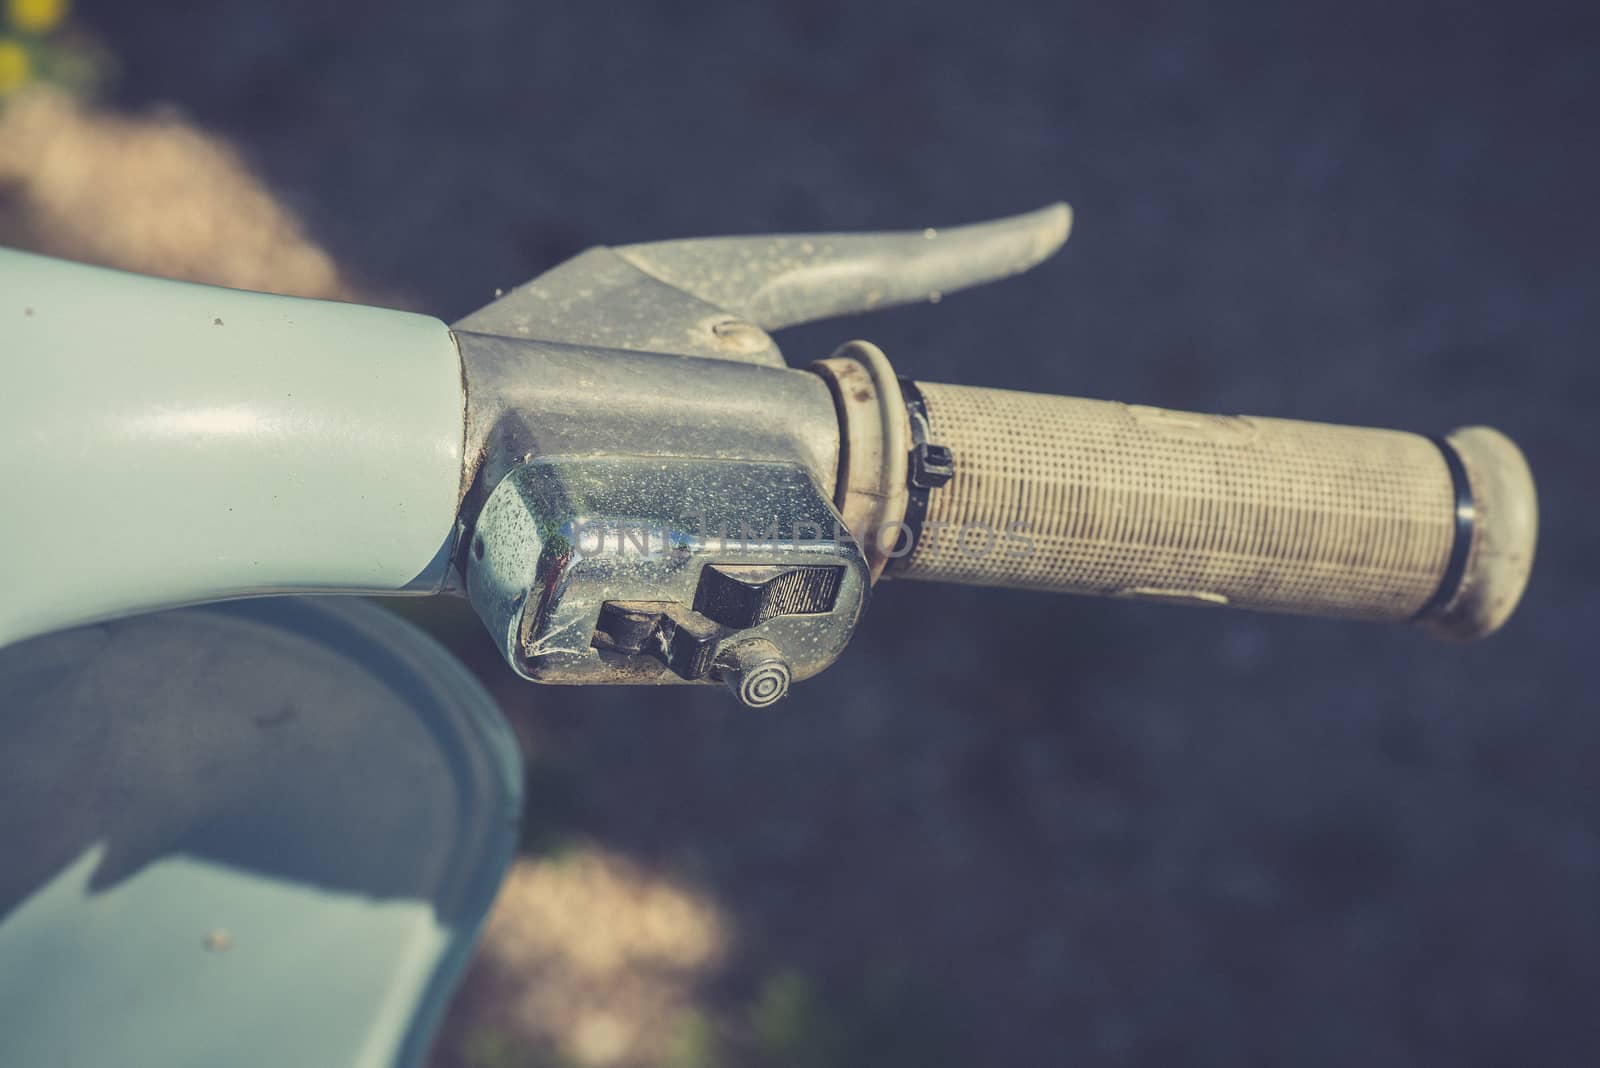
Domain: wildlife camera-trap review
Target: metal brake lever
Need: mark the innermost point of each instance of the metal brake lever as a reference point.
(717, 297)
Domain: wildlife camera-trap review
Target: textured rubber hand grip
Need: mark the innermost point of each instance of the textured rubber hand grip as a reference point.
(1097, 497)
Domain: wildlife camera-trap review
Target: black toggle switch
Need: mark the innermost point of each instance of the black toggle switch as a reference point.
(743, 595)
(684, 640)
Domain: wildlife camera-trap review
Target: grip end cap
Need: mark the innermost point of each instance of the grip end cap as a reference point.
(1504, 532)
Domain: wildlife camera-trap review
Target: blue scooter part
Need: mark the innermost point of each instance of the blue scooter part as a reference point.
(256, 833)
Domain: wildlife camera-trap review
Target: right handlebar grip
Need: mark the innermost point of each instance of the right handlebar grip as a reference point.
(1098, 497)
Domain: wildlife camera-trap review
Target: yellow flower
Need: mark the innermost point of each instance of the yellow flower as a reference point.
(36, 16)
(15, 66)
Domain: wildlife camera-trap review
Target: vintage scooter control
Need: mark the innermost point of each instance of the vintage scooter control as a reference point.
(615, 464)
(633, 570)
(730, 599)
(652, 495)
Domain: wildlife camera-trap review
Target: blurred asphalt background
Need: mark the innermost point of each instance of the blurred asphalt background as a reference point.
(1011, 829)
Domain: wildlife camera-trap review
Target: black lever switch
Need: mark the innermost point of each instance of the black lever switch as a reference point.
(742, 595)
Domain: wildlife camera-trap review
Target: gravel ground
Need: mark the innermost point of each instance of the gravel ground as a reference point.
(1018, 829)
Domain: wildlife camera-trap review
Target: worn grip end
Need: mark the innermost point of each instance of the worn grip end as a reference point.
(1505, 529)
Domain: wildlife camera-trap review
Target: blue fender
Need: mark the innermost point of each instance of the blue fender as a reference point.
(256, 833)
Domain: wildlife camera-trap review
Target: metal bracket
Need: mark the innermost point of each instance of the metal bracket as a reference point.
(629, 570)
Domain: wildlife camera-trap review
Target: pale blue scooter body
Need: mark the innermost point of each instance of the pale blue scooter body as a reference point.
(257, 833)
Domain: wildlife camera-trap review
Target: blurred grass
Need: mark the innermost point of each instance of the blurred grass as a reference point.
(492, 1047)
(693, 1043)
(884, 1019)
(793, 1028)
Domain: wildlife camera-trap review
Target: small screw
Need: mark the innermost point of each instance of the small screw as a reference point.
(740, 336)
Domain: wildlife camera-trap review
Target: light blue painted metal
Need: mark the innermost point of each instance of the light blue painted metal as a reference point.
(258, 833)
(146, 943)
(170, 443)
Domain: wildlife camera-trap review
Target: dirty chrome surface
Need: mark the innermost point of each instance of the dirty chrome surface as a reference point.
(527, 399)
(563, 542)
(637, 388)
